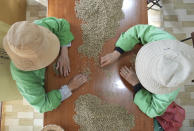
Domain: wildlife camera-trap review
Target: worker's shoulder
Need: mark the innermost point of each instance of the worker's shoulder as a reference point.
(18, 74)
(167, 97)
(49, 20)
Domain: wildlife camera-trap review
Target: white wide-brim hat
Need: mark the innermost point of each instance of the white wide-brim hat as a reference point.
(31, 47)
(164, 66)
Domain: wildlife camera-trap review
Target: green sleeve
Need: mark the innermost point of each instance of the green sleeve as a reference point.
(31, 86)
(154, 104)
(141, 34)
(60, 27)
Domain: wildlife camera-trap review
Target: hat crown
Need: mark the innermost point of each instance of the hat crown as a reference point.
(25, 38)
(164, 66)
(173, 68)
(30, 46)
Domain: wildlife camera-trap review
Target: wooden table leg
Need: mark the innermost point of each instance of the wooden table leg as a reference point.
(192, 36)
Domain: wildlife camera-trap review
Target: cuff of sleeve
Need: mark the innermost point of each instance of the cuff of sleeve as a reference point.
(121, 51)
(65, 92)
(137, 87)
(68, 45)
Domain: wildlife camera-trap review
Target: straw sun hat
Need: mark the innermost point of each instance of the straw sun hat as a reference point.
(31, 47)
(164, 66)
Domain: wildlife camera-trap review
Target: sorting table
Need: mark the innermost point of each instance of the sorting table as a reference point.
(105, 83)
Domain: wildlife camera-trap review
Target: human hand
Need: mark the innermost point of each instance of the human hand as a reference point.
(129, 75)
(109, 58)
(63, 63)
(77, 82)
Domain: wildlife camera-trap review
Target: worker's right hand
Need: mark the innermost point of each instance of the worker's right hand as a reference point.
(77, 82)
(109, 58)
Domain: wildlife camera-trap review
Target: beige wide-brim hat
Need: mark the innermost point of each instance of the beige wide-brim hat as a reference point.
(31, 47)
(164, 66)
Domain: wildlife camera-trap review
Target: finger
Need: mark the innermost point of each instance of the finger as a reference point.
(105, 58)
(84, 81)
(57, 65)
(68, 66)
(61, 70)
(69, 69)
(127, 69)
(122, 74)
(125, 66)
(64, 71)
(77, 76)
(83, 78)
(105, 63)
(131, 69)
(102, 61)
(123, 70)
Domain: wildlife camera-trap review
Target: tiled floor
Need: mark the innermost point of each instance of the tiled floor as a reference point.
(176, 17)
(18, 115)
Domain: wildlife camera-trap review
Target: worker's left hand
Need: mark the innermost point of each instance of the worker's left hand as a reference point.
(129, 75)
(63, 63)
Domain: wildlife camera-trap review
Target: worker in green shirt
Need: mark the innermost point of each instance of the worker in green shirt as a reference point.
(163, 65)
(32, 46)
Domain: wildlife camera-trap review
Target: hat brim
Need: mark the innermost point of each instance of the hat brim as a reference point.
(144, 67)
(46, 55)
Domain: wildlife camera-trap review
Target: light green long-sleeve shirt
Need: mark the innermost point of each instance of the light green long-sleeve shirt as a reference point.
(60, 27)
(31, 83)
(151, 104)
